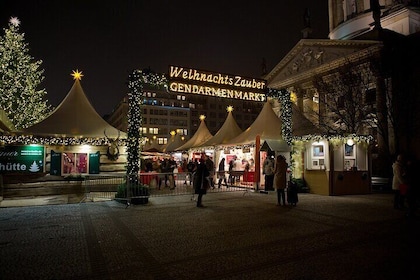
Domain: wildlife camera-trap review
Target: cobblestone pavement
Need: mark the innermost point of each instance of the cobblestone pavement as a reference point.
(235, 236)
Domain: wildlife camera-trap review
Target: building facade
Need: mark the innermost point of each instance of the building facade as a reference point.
(378, 44)
(164, 111)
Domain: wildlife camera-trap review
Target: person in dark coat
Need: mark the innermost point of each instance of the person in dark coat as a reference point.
(231, 177)
(201, 182)
(280, 179)
(191, 169)
(221, 173)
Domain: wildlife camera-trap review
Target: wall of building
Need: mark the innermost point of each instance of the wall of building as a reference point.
(317, 181)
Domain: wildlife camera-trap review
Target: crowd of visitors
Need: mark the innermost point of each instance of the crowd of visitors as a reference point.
(201, 174)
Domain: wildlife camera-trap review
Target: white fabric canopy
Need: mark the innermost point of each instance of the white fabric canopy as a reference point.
(201, 135)
(74, 117)
(173, 143)
(229, 130)
(267, 125)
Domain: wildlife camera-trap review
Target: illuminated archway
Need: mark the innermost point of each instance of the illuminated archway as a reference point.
(136, 81)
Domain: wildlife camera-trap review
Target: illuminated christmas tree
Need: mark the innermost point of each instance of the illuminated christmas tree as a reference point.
(20, 76)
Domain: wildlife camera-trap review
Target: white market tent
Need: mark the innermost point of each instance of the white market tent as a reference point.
(174, 142)
(74, 117)
(229, 130)
(267, 125)
(152, 146)
(201, 136)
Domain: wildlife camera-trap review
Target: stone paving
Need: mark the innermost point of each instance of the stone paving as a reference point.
(235, 236)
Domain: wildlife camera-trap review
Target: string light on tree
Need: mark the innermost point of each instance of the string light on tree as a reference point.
(20, 96)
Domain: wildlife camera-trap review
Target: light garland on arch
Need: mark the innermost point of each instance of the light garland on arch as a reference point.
(283, 96)
(136, 81)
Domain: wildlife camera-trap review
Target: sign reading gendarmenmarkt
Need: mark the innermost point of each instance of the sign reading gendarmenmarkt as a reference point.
(187, 80)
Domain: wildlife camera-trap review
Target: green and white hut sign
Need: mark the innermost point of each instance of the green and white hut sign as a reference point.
(21, 159)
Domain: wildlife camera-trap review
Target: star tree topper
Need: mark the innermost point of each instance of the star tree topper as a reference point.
(14, 21)
(77, 75)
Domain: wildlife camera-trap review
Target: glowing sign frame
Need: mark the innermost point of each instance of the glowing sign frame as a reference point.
(193, 81)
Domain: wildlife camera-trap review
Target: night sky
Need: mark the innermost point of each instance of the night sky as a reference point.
(106, 40)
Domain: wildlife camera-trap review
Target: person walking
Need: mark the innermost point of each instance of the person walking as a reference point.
(190, 169)
(280, 179)
(201, 182)
(398, 170)
(231, 177)
(221, 173)
(268, 170)
(171, 167)
(210, 168)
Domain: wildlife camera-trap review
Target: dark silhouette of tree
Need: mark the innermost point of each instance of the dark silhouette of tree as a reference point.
(346, 99)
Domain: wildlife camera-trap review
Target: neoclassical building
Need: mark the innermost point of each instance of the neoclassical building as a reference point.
(377, 42)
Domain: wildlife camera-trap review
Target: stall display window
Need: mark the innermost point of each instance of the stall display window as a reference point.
(318, 151)
(349, 157)
(349, 151)
(74, 163)
(318, 156)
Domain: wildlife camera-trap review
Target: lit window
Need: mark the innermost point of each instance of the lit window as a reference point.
(162, 140)
(153, 130)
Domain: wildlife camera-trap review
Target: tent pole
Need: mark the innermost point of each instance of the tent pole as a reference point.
(257, 175)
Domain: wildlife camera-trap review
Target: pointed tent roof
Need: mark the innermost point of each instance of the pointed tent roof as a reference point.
(267, 125)
(74, 117)
(201, 135)
(152, 146)
(229, 130)
(174, 142)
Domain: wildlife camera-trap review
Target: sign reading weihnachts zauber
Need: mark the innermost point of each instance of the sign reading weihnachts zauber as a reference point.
(193, 81)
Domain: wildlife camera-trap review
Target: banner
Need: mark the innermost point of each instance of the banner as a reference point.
(22, 159)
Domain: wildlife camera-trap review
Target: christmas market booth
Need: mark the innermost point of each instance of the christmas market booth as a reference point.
(326, 165)
(71, 143)
(333, 165)
(244, 151)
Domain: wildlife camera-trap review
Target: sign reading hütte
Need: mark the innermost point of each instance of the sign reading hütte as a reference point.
(187, 80)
